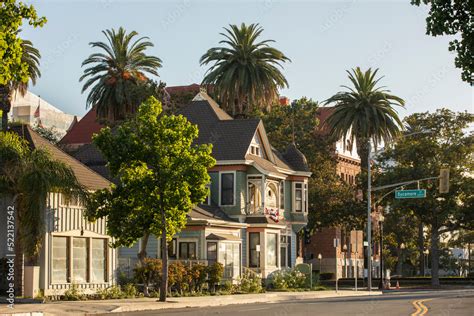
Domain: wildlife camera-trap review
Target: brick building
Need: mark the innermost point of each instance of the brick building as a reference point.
(348, 256)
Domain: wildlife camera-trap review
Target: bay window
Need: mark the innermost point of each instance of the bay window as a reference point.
(300, 197)
(60, 269)
(99, 260)
(80, 256)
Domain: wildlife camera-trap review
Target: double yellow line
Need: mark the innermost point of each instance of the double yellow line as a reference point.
(420, 308)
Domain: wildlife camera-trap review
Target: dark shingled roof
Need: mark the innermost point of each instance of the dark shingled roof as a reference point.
(295, 158)
(87, 177)
(203, 211)
(91, 156)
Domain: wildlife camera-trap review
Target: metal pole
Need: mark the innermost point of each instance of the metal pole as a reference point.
(356, 261)
(369, 224)
(382, 273)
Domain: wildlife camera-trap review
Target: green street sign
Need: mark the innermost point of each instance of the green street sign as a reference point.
(410, 194)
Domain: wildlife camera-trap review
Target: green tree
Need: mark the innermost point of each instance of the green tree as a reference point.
(116, 74)
(50, 133)
(454, 17)
(331, 200)
(27, 176)
(422, 156)
(12, 14)
(245, 74)
(161, 173)
(365, 113)
(30, 57)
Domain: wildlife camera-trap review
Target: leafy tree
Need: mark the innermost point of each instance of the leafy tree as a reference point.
(364, 113)
(13, 68)
(30, 58)
(331, 200)
(51, 134)
(245, 73)
(453, 17)
(422, 156)
(161, 173)
(27, 176)
(117, 73)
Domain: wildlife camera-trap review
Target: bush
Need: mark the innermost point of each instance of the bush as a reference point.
(74, 294)
(288, 279)
(214, 274)
(149, 273)
(178, 277)
(249, 282)
(199, 275)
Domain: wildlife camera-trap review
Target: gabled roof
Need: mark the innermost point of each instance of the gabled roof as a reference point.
(81, 132)
(87, 177)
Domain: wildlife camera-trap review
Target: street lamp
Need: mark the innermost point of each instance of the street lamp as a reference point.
(344, 249)
(369, 209)
(320, 256)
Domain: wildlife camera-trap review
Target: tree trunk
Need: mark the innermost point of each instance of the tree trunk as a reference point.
(399, 261)
(434, 256)
(4, 120)
(141, 256)
(421, 248)
(164, 259)
(363, 152)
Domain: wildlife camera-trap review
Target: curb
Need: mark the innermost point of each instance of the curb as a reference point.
(24, 314)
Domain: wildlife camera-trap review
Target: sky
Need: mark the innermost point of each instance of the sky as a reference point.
(323, 39)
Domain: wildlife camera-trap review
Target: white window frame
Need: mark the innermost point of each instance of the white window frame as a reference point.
(187, 240)
(208, 197)
(304, 197)
(235, 188)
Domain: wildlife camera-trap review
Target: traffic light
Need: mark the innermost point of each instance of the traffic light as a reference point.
(444, 181)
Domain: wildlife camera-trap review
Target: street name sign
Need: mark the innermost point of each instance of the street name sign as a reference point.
(410, 194)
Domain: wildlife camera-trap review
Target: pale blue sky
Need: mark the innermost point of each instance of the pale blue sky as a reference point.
(322, 38)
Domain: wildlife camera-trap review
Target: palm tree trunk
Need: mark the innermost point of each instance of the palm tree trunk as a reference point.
(421, 248)
(363, 152)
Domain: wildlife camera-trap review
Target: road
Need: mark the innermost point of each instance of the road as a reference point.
(427, 303)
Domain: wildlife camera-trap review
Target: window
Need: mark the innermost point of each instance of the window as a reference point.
(99, 255)
(282, 195)
(172, 249)
(254, 249)
(211, 252)
(208, 196)
(271, 249)
(80, 256)
(298, 197)
(283, 263)
(60, 271)
(254, 188)
(271, 199)
(227, 188)
(187, 250)
(229, 256)
(306, 200)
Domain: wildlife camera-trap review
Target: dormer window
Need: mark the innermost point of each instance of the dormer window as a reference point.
(256, 148)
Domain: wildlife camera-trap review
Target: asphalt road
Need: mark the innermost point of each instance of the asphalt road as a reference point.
(443, 303)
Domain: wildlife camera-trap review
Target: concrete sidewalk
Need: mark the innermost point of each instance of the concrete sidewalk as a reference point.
(141, 304)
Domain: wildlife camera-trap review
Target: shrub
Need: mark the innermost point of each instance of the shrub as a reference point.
(288, 279)
(215, 273)
(278, 281)
(178, 277)
(148, 273)
(198, 275)
(249, 282)
(74, 294)
(226, 287)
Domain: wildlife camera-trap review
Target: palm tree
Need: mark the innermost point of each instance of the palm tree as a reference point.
(245, 73)
(364, 113)
(30, 56)
(115, 74)
(27, 176)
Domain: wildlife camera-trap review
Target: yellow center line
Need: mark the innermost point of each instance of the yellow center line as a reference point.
(420, 308)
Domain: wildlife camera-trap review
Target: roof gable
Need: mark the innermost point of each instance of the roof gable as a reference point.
(87, 177)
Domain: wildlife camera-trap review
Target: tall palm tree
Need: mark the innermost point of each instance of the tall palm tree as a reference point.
(115, 73)
(27, 176)
(30, 56)
(245, 73)
(364, 113)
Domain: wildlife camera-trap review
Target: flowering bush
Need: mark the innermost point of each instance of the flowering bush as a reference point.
(288, 279)
(249, 282)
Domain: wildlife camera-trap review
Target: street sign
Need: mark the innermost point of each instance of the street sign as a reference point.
(410, 194)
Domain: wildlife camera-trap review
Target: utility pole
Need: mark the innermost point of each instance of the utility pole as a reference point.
(369, 223)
